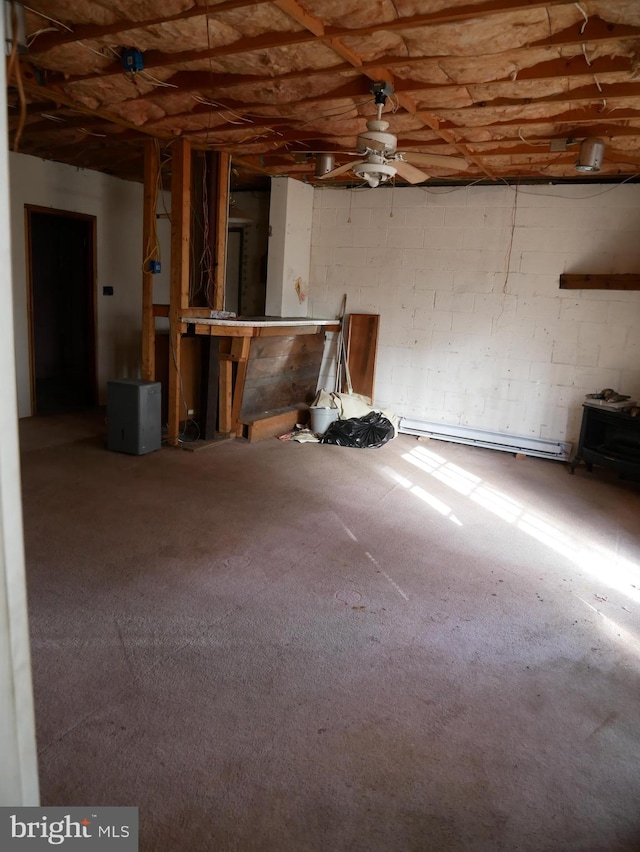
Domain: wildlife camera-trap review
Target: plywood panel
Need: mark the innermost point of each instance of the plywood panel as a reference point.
(362, 346)
(281, 372)
(282, 394)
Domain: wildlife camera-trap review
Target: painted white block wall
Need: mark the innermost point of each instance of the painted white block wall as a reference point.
(117, 206)
(289, 257)
(474, 328)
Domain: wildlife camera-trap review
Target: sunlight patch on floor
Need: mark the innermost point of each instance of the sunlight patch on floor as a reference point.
(604, 564)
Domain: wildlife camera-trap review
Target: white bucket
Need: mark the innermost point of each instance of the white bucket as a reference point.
(321, 418)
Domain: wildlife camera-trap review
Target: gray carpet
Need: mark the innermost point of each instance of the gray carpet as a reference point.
(293, 648)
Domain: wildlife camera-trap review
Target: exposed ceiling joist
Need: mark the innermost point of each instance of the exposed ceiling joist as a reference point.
(493, 81)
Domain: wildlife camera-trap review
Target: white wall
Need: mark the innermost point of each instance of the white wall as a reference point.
(290, 220)
(462, 341)
(18, 764)
(117, 206)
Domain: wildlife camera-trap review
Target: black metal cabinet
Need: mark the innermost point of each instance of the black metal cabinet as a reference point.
(609, 439)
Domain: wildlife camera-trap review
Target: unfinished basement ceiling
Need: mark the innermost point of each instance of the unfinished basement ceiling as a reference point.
(499, 83)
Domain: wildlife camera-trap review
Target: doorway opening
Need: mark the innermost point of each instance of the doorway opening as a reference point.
(61, 260)
(247, 249)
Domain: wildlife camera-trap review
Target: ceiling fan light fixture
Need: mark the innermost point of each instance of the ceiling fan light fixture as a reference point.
(374, 173)
(590, 157)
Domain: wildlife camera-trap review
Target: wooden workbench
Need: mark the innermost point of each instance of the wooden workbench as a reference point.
(262, 370)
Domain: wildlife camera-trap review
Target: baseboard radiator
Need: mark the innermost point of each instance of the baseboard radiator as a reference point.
(559, 450)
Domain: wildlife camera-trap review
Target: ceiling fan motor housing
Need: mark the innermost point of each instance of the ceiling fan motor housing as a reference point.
(375, 138)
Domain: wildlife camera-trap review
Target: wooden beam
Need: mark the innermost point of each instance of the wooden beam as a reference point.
(577, 117)
(589, 93)
(95, 32)
(225, 398)
(179, 297)
(295, 10)
(220, 236)
(274, 424)
(269, 41)
(240, 348)
(149, 246)
(573, 68)
(625, 281)
(565, 66)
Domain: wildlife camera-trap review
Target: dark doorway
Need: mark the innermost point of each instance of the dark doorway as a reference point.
(233, 272)
(62, 301)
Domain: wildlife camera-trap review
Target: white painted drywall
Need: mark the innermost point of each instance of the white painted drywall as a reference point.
(18, 761)
(117, 206)
(474, 328)
(290, 217)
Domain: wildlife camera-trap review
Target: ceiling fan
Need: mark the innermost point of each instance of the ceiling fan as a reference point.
(382, 161)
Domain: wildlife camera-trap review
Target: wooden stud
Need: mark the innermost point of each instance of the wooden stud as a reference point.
(226, 388)
(240, 348)
(221, 222)
(179, 298)
(151, 182)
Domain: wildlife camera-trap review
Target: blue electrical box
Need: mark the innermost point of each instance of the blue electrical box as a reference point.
(132, 60)
(155, 267)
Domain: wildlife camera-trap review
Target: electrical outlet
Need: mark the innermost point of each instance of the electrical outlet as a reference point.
(190, 411)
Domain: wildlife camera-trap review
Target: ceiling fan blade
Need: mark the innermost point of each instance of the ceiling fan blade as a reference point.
(340, 170)
(458, 163)
(409, 172)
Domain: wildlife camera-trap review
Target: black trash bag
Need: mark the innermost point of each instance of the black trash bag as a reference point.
(372, 430)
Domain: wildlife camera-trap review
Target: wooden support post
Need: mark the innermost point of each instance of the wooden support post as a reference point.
(226, 388)
(149, 240)
(240, 349)
(179, 299)
(221, 222)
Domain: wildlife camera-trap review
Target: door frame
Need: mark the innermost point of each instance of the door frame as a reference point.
(92, 314)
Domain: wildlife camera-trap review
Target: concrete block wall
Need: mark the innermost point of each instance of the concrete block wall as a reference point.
(474, 328)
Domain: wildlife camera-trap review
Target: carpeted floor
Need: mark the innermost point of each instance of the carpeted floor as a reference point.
(296, 648)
